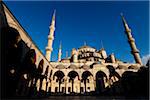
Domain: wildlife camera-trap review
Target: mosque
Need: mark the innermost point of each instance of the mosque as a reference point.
(87, 70)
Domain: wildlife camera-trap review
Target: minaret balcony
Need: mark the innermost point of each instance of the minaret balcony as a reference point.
(50, 37)
(134, 51)
(48, 49)
(128, 30)
(131, 39)
(52, 27)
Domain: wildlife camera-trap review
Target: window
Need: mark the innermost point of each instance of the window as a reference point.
(56, 88)
(82, 80)
(69, 89)
(88, 89)
(49, 89)
(81, 89)
(88, 81)
(63, 80)
(63, 89)
(69, 80)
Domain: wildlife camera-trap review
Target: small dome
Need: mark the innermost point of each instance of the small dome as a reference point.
(85, 67)
(60, 66)
(73, 66)
(121, 67)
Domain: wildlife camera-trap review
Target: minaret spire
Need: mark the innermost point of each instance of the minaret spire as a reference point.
(66, 54)
(84, 43)
(131, 41)
(54, 14)
(59, 52)
(49, 47)
(102, 44)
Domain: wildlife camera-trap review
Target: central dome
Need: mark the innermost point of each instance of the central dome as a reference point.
(85, 46)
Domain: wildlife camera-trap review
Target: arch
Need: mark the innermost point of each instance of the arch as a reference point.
(29, 63)
(30, 56)
(112, 71)
(100, 74)
(92, 65)
(60, 75)
(85, 76)
(72, 75)
(40, 66)
(60, 66)
(111, 68)
(47, 70)
(100, 85)
(11, 36)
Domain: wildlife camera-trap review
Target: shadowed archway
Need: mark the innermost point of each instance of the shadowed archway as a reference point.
(59, 74)
(85, 76)
(112, 72)
(100, 85)
(72, 75)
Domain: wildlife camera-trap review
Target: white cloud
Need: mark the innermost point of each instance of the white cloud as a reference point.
(145, 59)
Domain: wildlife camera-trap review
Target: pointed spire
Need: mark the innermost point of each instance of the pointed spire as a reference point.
(102, 44)
(66, 54)
(131, 41)
(84, 43)
(123, 19)
(125, 23)
(49, 47)
(54, 14)
(59, 52)
(60, 45)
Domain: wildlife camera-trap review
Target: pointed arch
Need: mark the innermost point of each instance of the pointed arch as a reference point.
(40, 66)
(85, 79)
(100, 85)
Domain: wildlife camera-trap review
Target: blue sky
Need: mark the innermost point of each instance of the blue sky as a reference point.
(92, 22)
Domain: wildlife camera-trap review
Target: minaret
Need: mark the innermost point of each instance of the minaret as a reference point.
(131, 41)
(84, 43)
(59, 53)
(66, 54)
(112, 56)
(74, 54)
(103, 52)
(49, 48)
